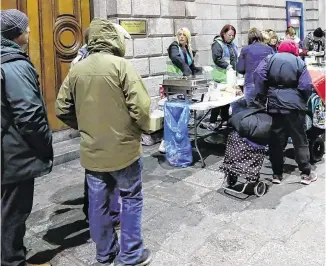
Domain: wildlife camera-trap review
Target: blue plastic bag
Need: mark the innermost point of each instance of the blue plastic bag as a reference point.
(176, 139)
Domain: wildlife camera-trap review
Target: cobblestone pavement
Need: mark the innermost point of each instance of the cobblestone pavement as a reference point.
(188, 219)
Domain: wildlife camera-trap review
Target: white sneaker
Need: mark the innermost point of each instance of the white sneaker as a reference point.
(162, 148)
(308, 179)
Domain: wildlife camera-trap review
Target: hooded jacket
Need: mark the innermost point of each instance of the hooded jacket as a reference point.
(26, 138)
(106, 100)
(284, 79)
(310, 44)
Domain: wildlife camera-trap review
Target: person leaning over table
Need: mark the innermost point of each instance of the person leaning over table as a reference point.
(225, 54)
(249, 59)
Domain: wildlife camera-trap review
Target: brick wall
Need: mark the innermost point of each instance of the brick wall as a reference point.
(204, 18)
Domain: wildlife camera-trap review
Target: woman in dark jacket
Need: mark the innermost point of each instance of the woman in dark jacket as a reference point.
(225, 54)
(284, 79)
(249, 59)
(181, 56)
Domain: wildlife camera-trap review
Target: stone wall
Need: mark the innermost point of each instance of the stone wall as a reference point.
(204, 18)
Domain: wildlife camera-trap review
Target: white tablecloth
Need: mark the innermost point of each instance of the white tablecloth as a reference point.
(226, 98)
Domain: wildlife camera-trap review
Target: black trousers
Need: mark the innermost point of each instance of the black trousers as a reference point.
(16, 206)
(293, 125)
(216, 111)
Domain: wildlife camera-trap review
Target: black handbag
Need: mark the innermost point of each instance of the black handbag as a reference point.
(253, 123)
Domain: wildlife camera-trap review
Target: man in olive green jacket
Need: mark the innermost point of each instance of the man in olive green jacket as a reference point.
(106, 100)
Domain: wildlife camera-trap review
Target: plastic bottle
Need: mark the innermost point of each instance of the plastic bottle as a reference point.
(231, 78)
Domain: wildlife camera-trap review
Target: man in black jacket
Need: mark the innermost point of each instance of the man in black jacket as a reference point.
(26, 139)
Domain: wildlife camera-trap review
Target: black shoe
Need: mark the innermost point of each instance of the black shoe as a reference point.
(108, 263)
(144, 260)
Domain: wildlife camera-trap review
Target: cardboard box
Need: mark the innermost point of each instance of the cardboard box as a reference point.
(157, 121)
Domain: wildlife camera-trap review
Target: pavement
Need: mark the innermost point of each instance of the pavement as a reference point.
(188, 220)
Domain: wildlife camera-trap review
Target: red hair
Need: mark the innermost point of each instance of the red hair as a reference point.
(225, 29)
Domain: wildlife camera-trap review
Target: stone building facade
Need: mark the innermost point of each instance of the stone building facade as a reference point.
(204, 18)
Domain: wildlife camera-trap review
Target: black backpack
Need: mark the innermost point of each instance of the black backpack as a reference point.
(5, 113)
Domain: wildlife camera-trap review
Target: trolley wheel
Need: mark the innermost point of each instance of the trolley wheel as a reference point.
(231, 179)
(317, 149)
(260, 188)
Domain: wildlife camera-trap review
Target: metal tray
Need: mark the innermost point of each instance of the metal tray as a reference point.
(190, 82)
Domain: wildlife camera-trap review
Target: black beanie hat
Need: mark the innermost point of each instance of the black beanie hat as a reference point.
(318, 33)
(13, 23)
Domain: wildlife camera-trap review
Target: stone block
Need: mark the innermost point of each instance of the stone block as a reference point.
(228, 12)
(277, 13)
(100, 8)
(191, 10)
(141, 65)
(212, 26)
(245, 26)
(203, 42)
(145, 8)
(218, 2)
(147, 46)
(153, 85)
(179, 193)
(172, 9)
(157, 65)
(263, 12)
(129, 48)
(154, 103)
(204, 58)
(161, 27)
(195, 26)
(166, 41)
(208, 11)
(121, 8)
(311, 14)
(281, 3)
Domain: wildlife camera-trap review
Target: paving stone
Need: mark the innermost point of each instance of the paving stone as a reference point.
(187, 241)
(270, 223)
(153, 207)
(170, 221)
(217, 203)
(162, 259)
(314, 211)
(275, 253)
(206, 178)
(44, 194)
(180, 193)
(85, 252)
(227, 247)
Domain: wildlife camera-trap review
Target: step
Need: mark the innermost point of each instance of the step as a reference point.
(65, 151)
(65, 134)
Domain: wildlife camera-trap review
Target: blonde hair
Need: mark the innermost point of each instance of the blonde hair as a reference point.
(187, 33)
(266, 37)
(273, 36)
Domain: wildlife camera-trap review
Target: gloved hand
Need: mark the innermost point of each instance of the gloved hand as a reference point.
(311, 53)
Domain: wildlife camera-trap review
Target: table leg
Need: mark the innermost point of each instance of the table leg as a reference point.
(196, 141)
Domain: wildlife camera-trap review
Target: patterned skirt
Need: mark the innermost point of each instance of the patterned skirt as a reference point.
(242, 158)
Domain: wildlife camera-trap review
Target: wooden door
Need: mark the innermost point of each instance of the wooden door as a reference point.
(57, 28)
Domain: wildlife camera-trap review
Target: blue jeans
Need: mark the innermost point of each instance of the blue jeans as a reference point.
(115, 206)
(101, 187)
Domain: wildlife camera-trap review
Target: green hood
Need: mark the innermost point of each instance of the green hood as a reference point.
(104, 37)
